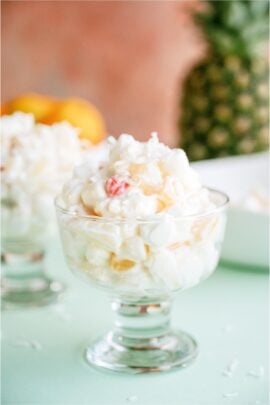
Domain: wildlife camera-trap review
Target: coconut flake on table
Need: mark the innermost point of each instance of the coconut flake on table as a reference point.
(231, 394)
(259, 373)
(228, 327)
(60, 311)
(231, 368)
(23, 342)
(132, 398)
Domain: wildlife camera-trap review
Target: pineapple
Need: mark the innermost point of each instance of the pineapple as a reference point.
(224, 107)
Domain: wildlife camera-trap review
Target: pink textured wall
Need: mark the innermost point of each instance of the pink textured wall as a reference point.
(127, 57)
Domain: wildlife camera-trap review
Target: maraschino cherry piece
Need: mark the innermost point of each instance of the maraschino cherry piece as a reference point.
(116, 186)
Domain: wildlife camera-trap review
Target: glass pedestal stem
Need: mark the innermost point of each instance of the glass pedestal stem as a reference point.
(24, 282)
(142, 339)
(139, 322)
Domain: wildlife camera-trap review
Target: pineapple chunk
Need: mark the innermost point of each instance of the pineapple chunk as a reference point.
(121, 265)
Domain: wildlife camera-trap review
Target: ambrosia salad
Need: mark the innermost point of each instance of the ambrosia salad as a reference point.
(36, 160)
(141, 220)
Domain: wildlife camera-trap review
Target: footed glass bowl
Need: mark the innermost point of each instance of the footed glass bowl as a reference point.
(142, 264)
(24, 237)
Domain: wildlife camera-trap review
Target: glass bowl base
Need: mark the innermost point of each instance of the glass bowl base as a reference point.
(174, 350)
(35, 297)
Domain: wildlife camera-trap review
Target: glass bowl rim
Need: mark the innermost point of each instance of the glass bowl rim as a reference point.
(221, 207)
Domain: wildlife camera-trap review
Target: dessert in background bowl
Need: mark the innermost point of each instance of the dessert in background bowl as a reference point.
(141, 226)
(36, 160)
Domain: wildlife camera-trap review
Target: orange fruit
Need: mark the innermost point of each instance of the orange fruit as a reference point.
(4, 109)
(40, 106)
(80, 114)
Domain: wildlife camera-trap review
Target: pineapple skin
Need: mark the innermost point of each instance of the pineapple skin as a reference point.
(224, 108)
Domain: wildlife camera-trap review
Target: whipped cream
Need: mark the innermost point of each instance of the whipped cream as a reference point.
(138, 180)
(140, 221)
(36, 160)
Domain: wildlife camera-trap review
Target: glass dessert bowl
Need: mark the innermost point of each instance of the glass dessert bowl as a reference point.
(143, 264)
(36, 160)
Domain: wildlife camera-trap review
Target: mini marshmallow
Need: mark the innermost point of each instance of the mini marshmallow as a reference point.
(103, 234)
(97, 256)
(164, 268)
(133, 249)
(160, 234)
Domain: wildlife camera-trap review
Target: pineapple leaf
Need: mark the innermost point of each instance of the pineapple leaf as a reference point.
(235, 26)
(203, 19)
(259, 8)
(237, 14)
(254, 35)
(225, 41)
(255, 31)
(219, 7)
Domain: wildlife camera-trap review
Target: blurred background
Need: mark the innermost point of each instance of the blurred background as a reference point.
(129, 58)
(194, 71)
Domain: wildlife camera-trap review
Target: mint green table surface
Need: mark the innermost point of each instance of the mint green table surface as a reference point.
(227, 314)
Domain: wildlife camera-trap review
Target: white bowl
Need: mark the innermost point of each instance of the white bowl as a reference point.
(246, 240)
